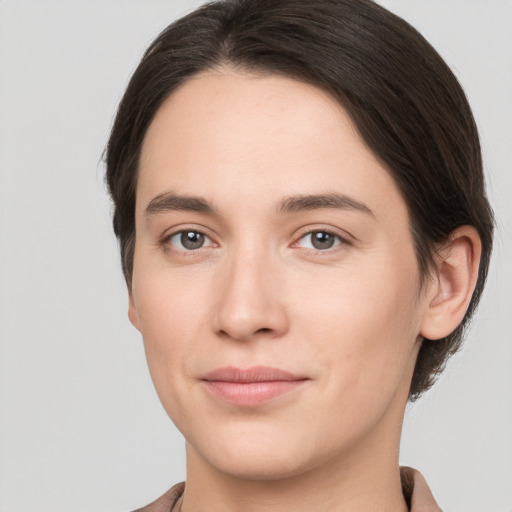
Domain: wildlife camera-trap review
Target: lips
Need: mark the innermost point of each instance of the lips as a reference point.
(251, 386)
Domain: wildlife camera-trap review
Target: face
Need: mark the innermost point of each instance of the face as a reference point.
(275, 282)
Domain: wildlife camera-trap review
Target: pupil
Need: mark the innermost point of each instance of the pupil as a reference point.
(192, 239)
(322, 240)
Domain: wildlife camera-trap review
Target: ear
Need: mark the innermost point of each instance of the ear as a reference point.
(133, 315)
(450, 291)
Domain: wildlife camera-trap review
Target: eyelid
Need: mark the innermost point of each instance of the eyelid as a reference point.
(344, 237)
(168, 235)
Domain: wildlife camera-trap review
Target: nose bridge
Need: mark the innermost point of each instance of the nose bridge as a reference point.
(249, 301)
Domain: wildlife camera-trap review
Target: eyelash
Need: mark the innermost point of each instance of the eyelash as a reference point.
(190, 252)
(339, 241)
(166, 242)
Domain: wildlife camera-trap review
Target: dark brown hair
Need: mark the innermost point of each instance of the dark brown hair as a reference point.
(404, 100)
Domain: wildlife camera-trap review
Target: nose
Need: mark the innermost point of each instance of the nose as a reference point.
(251, 299)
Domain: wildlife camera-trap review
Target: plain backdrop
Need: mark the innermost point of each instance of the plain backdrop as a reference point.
(81, 428)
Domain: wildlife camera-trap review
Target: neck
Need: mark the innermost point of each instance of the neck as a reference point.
(354, 482)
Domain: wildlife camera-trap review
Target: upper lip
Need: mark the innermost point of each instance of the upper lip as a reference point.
(253, 374)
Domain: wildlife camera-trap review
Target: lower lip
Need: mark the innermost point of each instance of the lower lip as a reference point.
(251, 393)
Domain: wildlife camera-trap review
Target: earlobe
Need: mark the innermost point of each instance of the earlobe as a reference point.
(132, 312)
(451, 289)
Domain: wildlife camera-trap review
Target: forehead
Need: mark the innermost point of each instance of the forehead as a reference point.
(226, 105)
(226, 133)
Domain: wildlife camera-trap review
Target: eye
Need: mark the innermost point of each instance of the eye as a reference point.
(188, 240)
(320, 240)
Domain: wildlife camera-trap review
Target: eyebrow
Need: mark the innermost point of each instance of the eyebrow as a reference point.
(316, 201)
(170, 201)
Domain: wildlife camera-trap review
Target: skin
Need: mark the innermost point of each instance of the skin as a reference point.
(348, 318)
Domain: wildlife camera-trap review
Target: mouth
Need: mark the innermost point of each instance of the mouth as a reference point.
(252, 386)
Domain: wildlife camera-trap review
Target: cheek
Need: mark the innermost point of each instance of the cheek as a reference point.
(364, 320)
(375, 298)
(170, 303)
(172, 311)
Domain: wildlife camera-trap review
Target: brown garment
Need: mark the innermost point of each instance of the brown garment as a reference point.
(166, 502)
(415, 488)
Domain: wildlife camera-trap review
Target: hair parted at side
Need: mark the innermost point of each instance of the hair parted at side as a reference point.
(403, 98)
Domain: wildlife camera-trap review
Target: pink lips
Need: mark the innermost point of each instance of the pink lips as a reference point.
(251, 386)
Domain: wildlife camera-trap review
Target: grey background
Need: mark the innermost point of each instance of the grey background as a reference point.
(81, 428)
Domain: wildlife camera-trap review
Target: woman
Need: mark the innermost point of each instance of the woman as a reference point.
(304, 233)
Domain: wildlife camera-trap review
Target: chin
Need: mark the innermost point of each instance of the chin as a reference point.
(259, 465)
(259, 453)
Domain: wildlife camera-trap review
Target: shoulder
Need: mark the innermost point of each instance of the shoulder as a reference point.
(416, 491)
(166, 502)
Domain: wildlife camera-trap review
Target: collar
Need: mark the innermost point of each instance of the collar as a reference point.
(417, 492)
